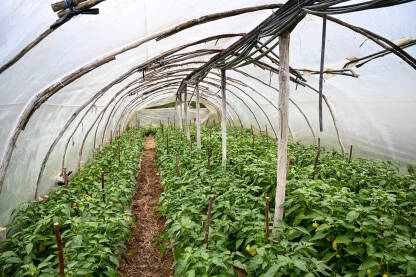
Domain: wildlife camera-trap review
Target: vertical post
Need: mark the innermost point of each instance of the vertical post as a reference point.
(65, 176)
(316, 162)
(288, 165)
(59, 243)
(177, 164)
(185, 107)
(111, 136)
(252, 134)
(267, 135)
(223, 119)
(167, 143)
(198, 118)
(209, 157)
(321, 77)
(267, 219)
(175, 114)
(129, 136)
(283, 105)
(180, 112)
(119, 130)
(2, 234)
(118, 150)
(211, 199)
(102, 185)
(349, 159)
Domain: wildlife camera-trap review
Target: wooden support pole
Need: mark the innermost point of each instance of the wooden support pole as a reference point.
(350, 157)
(267, 135)
(283, 105)
(315, 165)
(60, 253)
(177, 164)
(111, 136)
(198, 118)
(288, 165)
(3, 232)
(129, 137)
(211, 200)
(103, 185)
(223, 119)
(65, 176)
(185, 109)
(252, 135)
(180, 113)
(167, 143)
(209, 157)
(267, 219)
(118, 150)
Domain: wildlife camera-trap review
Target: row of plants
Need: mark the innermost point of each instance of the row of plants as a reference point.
(352, 219)
(92, 231)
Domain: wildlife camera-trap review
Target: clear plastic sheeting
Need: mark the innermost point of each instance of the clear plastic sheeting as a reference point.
(373, 112)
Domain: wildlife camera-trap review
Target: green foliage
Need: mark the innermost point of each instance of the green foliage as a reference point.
(93, 232)
(353, 219)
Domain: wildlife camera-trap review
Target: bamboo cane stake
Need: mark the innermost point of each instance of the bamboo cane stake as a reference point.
(211, 200)
(350, 156)
(59, 244)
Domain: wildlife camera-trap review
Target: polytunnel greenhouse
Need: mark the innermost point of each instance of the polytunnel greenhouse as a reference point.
(208, 138)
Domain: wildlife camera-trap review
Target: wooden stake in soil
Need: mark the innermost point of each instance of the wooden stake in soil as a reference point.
(59, 243)
(111, 136)
(316, 162)
(65, 176)
(288, 165)
(267, 219)
(167, 143)
(252, 142)
(177, 164)
(349, 159)
(209, 157)
(102, 185)
(130, 137)
(118, 150)
(267, 135)
(284, 87)
(211, 199)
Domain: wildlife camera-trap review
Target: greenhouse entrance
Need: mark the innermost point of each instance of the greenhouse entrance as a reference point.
(143, 257)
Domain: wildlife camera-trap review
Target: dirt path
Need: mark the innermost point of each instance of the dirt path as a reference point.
(144, 258)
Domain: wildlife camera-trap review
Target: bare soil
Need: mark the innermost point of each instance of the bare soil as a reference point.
(143, 257)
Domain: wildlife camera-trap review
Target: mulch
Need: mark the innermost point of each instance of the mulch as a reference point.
(143, 256)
